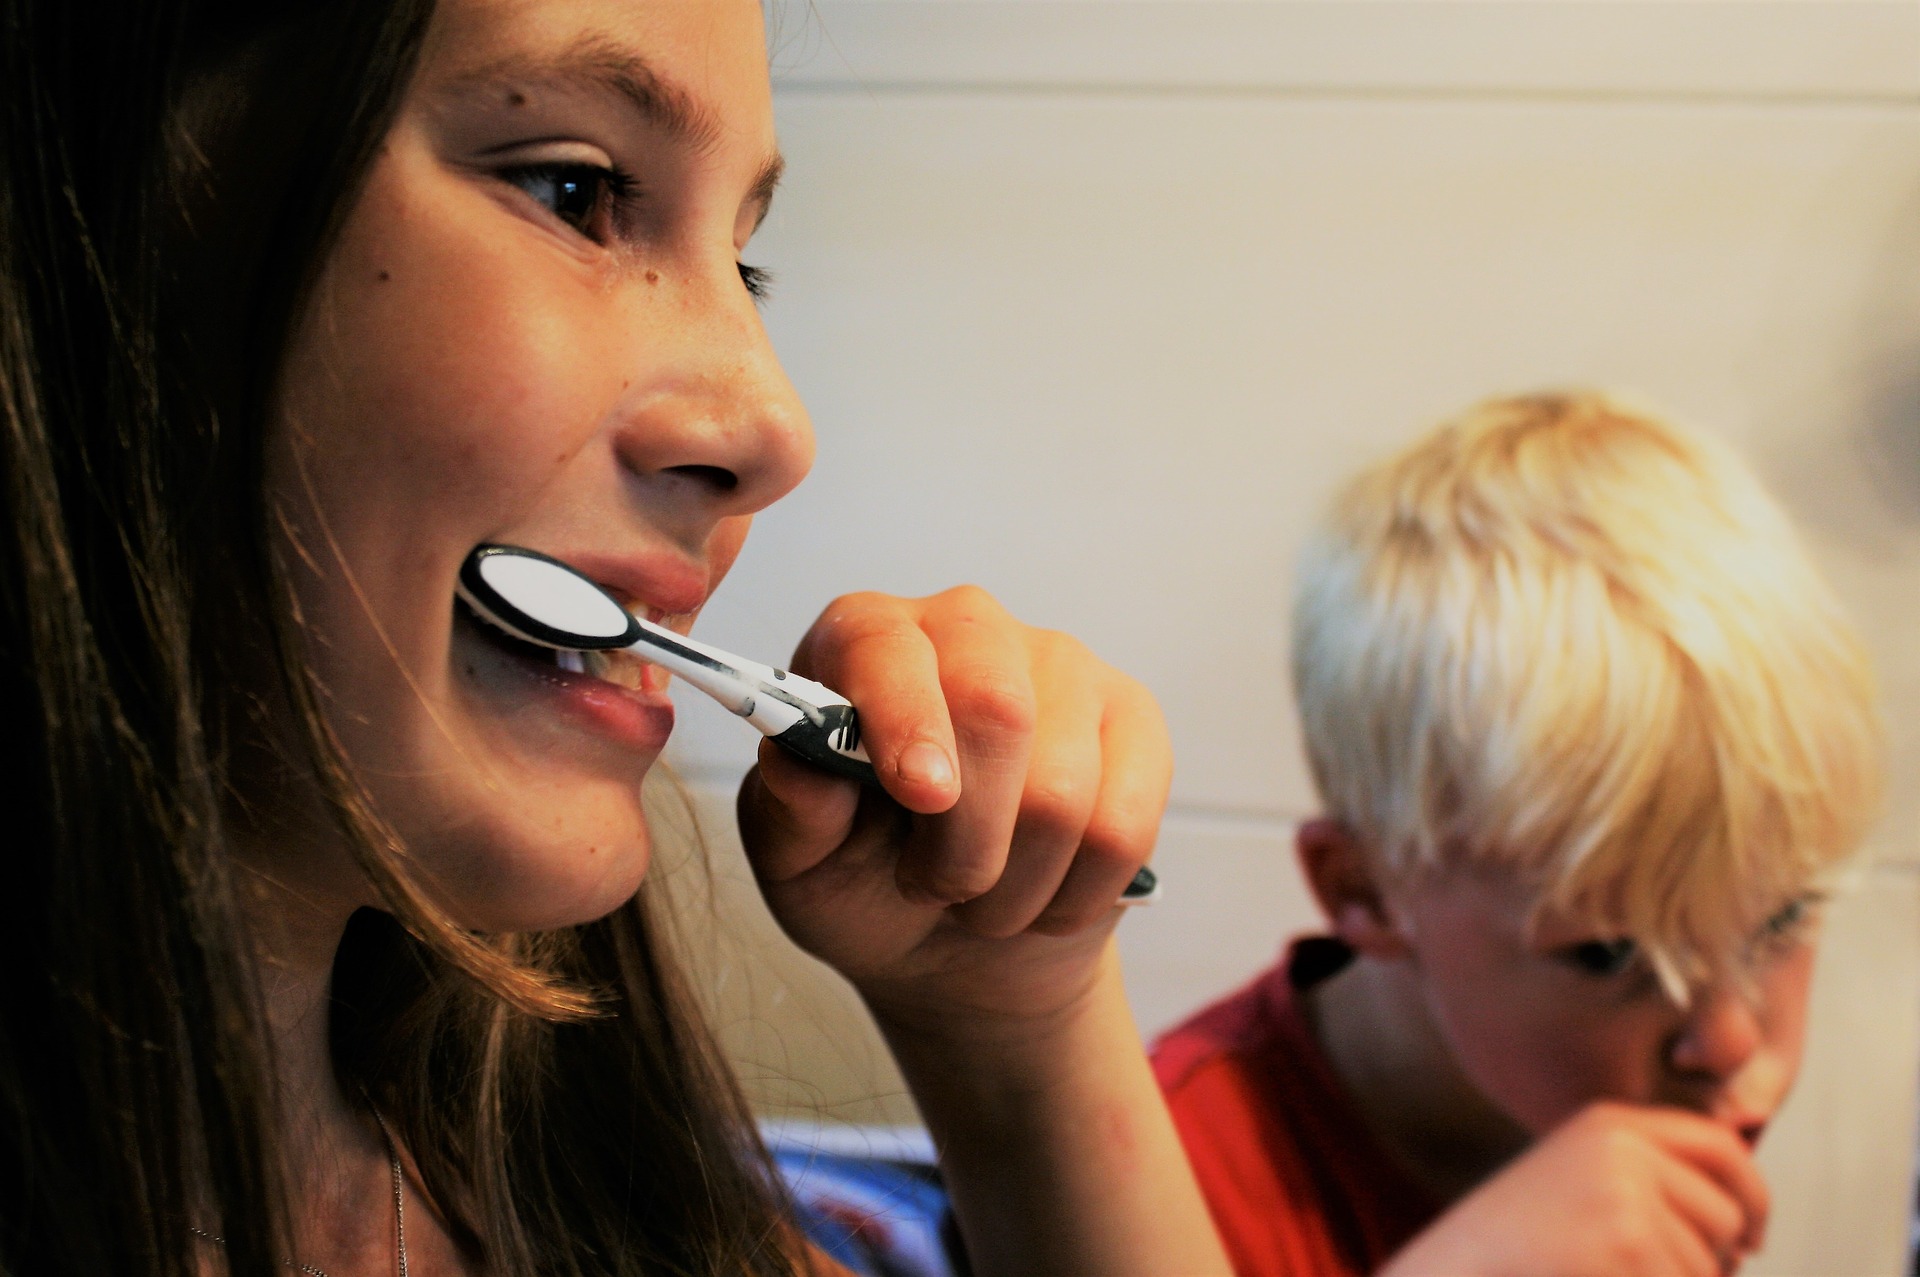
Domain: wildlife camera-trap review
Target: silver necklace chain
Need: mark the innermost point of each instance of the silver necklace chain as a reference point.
(399, 1211)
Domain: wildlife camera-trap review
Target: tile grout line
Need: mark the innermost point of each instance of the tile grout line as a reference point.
(1340, 94)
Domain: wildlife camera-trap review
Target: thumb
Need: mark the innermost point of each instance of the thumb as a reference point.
(792, 816)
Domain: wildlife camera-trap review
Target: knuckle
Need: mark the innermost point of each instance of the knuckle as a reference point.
(1123, 831)
(1056, 647)
(1112, 860)
(1067, 921)
(852, 617)
(1636, 1244)
(989, 701)
(1618, 1144)
(957, 883)
(1637, 1252)
(967, 602)
(1057, 804)
(1607, 1113)
(989, 924)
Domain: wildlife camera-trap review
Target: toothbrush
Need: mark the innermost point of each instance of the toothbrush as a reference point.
(541, 600)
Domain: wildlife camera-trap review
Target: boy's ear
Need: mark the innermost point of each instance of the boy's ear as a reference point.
(1343, 881)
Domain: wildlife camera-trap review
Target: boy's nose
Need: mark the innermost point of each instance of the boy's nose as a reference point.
(1720, 1033)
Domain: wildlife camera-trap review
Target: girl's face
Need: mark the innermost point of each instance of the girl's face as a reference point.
(535, 329)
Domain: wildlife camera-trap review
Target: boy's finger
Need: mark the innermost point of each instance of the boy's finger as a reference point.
(1711, 1215)
(1683, 1252)
(1722, 1156)
(1136, 775)
(871, 649)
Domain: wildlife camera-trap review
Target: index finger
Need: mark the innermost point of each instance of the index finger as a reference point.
(870, 648)
(1719, 1154)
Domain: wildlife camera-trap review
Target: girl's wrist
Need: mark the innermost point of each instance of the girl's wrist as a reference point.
(1009, 1055)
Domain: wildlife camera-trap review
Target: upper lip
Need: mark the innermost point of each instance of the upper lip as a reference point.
(663, 587)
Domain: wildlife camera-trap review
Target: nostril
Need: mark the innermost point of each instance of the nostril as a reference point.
(715, 477)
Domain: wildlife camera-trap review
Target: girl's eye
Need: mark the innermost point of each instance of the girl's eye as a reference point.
(1600, 958)
(581, 195)
(759, 282)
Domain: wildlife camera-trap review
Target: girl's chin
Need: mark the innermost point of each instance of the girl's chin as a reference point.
(547, 888)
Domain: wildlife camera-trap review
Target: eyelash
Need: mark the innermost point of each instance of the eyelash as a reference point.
(1601, 959)
(758, 282)
(605, 182)
(1784, 927)
(1605, 959)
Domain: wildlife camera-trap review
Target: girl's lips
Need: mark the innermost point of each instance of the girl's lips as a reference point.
(662, 587)
(638, 718)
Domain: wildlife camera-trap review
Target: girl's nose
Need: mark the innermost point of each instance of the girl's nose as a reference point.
(1720, 1033)
(718, 422)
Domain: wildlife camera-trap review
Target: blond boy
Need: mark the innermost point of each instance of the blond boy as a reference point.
(1590, 735)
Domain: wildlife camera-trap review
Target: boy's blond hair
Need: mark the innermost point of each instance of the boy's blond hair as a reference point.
(1566, 639)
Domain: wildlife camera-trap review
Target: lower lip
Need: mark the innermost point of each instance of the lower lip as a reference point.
(638, 720)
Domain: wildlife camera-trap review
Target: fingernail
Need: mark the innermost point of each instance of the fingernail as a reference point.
(926, 763)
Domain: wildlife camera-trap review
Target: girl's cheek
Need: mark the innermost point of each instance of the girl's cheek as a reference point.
(470, 367)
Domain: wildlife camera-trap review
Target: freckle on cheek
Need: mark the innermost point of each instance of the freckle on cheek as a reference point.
(653, 277)
(516, 99)
(385, 275)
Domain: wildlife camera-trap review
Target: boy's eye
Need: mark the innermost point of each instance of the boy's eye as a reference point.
(578, 194)
(1791, 920)
(1600, 957)
(1788, 918)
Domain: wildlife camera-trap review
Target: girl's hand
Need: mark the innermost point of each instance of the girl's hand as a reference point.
(1024, 784)
(973, 906)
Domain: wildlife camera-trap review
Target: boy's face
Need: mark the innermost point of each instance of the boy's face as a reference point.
(1547, 1020)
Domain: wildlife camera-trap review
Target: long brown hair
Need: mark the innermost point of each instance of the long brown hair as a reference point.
(171, 174)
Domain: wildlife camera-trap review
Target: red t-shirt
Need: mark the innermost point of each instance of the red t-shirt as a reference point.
(1297, 1184)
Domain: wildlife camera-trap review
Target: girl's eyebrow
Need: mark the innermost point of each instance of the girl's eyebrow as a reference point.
(602, 63)
(597, 62)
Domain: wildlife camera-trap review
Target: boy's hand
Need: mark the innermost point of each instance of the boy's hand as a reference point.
(1656, 1192)
(1025, 780)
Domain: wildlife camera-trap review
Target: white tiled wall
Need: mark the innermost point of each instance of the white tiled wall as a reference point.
(1093, 300)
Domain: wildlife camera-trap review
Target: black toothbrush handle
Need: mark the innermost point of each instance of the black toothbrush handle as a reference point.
(810, 741)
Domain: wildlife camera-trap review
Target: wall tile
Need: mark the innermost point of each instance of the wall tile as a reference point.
(1799, 49)
(1840, 1157)
(1106, 355)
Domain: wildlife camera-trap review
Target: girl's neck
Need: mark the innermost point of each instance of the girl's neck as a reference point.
(334, 1161)
(1375, 1030)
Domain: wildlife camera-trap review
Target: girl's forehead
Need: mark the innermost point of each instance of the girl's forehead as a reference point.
(702, 58)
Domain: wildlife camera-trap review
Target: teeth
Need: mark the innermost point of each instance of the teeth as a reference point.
(622, 669)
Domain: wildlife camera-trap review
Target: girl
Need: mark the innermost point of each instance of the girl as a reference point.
(325, 924)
